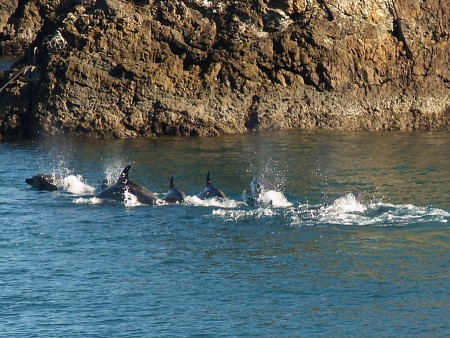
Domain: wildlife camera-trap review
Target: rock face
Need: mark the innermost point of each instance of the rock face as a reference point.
(111, 68)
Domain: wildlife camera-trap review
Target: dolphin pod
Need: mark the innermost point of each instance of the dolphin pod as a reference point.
(118, 191)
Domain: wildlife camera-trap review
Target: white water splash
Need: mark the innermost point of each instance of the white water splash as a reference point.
(130, 200)
(235, 215)
(91, 200)
(344, 204)
(273, 198)
(113, 171)
(213, 202)
(75, 185)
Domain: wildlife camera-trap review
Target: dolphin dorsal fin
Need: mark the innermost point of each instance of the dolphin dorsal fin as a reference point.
(171, 186)
(208, 180)
(124, 175)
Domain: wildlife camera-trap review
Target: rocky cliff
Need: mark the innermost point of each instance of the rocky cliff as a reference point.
(116, 68)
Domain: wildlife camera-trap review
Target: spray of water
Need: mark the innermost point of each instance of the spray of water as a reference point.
(75, 185)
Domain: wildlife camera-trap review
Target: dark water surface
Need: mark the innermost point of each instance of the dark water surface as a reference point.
(73, 266)
(6, 62)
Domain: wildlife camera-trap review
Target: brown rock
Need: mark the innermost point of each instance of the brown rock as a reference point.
(193, 67)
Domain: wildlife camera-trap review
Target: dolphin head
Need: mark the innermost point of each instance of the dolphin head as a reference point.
(359, 197)
(259, 186)
(42, 182)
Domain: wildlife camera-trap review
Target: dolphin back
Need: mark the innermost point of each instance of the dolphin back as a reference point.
(117, 190)
(210, 191)
(143, 195)
(114, 192)
(173, 195)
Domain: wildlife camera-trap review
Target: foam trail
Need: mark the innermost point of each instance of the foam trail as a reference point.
(92, 200)
(381, 214)
(212, 202)
(236, 215)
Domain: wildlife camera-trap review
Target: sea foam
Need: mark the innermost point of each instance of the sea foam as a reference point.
(213, 202)
(273, 198)
(75, 185)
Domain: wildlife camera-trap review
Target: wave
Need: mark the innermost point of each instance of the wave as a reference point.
(380, 214)
(347, 212)
(237, 215)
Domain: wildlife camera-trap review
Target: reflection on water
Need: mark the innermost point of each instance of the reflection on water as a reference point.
(6, 62)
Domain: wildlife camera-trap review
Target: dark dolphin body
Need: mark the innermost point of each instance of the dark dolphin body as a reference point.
(259, 186)
(173, 195)
(42, 182)
(117, 190)
(358, 195)
(210, 191)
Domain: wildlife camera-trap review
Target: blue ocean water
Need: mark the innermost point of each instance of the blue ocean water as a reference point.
(315, 262)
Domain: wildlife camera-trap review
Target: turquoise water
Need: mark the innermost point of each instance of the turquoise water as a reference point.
(72, 266)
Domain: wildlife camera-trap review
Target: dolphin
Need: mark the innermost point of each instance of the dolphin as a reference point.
(210, 191)
(259, 186)
(123, 184)
(358, 195)
(265, 194)
(173, 195)
(42, 182)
